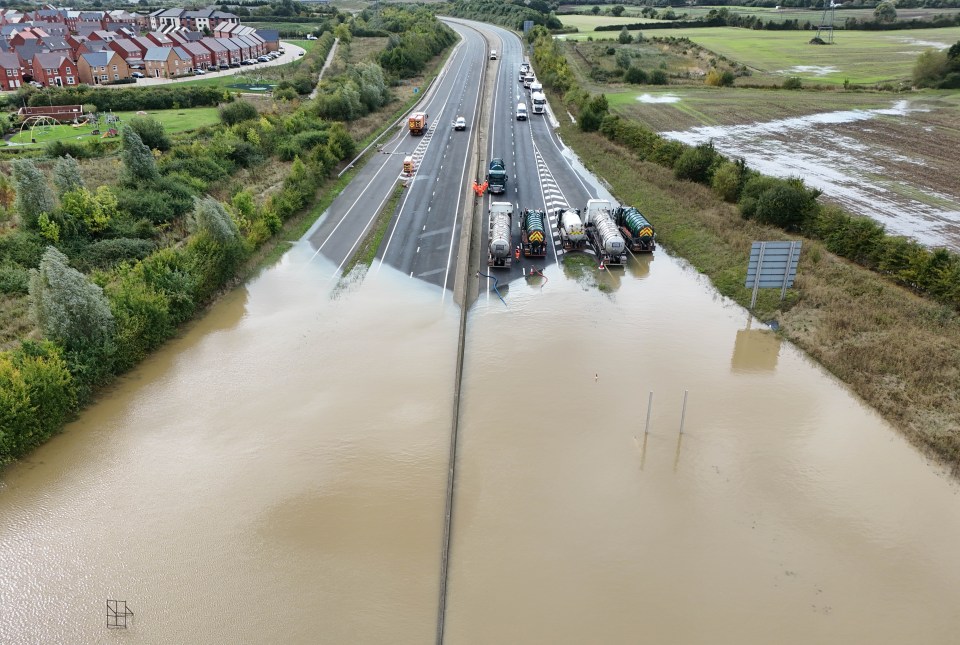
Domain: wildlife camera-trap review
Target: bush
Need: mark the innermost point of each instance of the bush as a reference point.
(104, 254)
(237, 112)
(793, 83)
(22, 247)
(786, 203)
(635, 76)
(151, 132)
(14, 279)
(697, 163)
(658, 77)
(728, 179)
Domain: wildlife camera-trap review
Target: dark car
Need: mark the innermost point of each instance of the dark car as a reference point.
(224, 66)
(234, 64)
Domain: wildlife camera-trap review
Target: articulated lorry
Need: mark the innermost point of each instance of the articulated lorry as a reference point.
(499, 234)
(539, 101)
(497, 176)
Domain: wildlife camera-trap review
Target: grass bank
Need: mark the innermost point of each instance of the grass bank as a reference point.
(898, 352)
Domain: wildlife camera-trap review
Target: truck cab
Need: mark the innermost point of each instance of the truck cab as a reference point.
(529, 80)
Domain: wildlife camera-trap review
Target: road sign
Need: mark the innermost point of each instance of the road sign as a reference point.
(416, 90)
(773, 265)
(527, 25)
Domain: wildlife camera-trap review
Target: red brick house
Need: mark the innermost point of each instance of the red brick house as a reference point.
(199, 55)
(54, 70)
(167, 62)
(11, 71)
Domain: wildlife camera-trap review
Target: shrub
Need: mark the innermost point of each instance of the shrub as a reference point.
(22, 247)
(697, 163)
(151, 132)
(142, 317)
(728, 179)
(236, 112)
(104, 254)
(14, 279)
(793, 83)
(658, 77)
(635, 76)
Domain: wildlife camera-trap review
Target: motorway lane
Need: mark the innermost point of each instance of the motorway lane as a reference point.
(423, 237)
(339, 232)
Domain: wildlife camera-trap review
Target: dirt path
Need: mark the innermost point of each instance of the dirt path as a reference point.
(326, 64)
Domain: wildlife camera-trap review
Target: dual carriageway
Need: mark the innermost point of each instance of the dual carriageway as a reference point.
(426, 237)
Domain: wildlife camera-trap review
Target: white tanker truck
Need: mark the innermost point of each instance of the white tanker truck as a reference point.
(570, 227)
(499, 232)
(602, 232)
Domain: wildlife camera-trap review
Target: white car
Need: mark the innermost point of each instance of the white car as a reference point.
(460, 123)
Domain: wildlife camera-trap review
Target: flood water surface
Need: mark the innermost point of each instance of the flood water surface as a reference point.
(278, 474)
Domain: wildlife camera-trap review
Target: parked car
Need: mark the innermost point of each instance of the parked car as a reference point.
(224, 66)
(263, 59)
(281, 51)
(234, 64)
(199, 72)
(311, 37)
(36, 83)
(460, 123)
(300, 54)
(137, 75)
(247, 62)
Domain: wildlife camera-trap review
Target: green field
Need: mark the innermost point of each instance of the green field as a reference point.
(684, 107)
(862, 57)
(587, 21)
(239, 82)
(172, 120)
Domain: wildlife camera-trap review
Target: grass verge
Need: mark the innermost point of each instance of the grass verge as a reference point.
(371, 242)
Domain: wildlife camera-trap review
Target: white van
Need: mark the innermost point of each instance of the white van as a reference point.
(493, 54)
(529, 80)
(521, 111)
(535, 87)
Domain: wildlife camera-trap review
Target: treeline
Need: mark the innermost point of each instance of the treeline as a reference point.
(508, 14)
(155, 249)
(304, 79)
(725, 18)
(940, 69)
(418, 37)
(786, 203)
(132, 99)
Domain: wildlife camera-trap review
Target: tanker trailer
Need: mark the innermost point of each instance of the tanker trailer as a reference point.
(572, 235)
(533, 234)
(603, 234)
(636, 230)
(499, 227)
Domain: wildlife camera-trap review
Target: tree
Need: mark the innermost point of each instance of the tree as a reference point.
(66, 175)
(617, 10)
(67, 307)
(885, 12)
(211, 217)
(595, 10)
(625, 38)
(623, 58)
(137, 158)
(238, 111)
(34, 196)
(930, 67)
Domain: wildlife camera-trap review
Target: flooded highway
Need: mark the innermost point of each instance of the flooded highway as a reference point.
(277, 474)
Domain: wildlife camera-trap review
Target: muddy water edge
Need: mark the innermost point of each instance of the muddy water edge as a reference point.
(278, 474)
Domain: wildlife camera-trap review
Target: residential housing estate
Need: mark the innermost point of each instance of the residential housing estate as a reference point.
(62, 47)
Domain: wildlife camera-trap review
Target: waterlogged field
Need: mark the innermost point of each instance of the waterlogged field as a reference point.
(860, 57)
(588, 21)
(172, 120)
(680, 107)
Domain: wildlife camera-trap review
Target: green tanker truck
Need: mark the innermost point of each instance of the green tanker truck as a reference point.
(533, 234)
(636, 230)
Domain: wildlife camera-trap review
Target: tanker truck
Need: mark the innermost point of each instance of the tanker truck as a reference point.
(533, 234)
(603, 234)
(499, 233)
(635, 229)
(572, 235)
(497, 176)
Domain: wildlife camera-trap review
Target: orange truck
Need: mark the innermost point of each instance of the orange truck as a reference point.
(418, 123)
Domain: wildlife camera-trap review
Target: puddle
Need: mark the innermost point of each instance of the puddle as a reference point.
(815, 70)
(659, 98)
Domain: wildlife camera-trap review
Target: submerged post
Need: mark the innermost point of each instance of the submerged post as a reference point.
(683, 413)
(646, 428)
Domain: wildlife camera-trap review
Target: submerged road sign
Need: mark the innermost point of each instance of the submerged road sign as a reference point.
(773, 265)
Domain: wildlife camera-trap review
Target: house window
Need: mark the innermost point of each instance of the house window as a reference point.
(69, 80)
(11, 72)
(114, 68)
(116, 77)
(103, 77)
(69, 71)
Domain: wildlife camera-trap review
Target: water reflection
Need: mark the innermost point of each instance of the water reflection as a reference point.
(755, 350)
(639, 265)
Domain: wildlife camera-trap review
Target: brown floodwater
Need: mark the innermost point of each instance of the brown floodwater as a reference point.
(277, 474)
